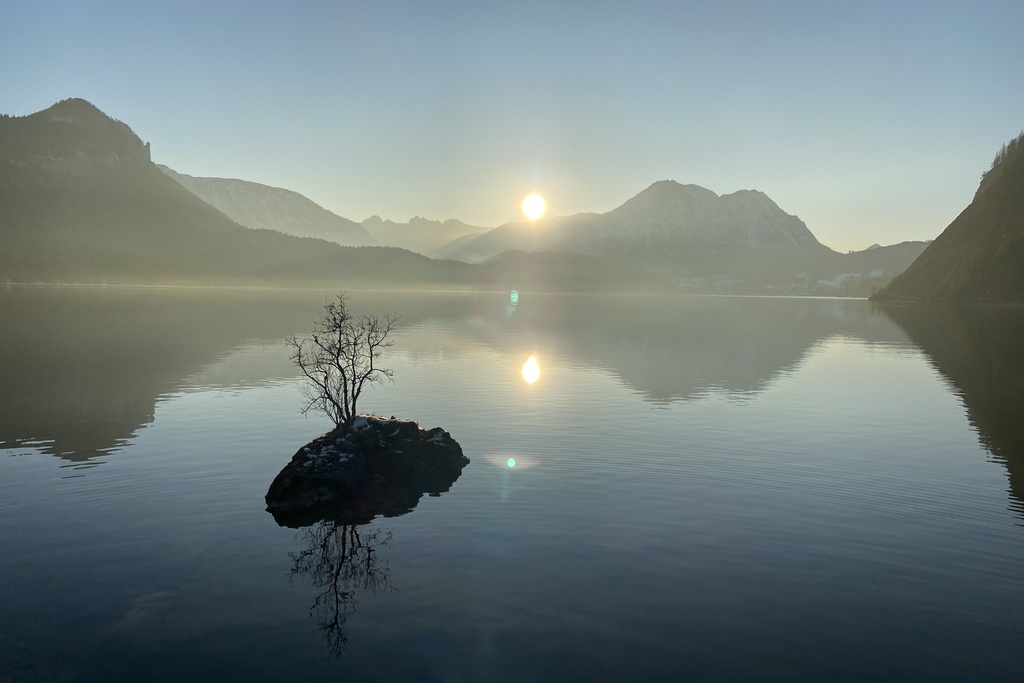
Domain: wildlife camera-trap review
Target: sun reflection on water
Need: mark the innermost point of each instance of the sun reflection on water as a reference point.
(531, 370)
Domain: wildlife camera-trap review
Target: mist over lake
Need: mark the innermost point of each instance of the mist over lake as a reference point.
(691, 488)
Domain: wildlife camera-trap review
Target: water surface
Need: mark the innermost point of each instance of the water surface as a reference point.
(703, 489)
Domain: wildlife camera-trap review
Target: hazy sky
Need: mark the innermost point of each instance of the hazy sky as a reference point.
(871, 121)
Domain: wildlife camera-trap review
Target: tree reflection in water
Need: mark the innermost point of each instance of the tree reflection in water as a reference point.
(341, 559)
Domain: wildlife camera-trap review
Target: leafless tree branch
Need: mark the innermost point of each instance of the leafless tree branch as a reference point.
(340, 358)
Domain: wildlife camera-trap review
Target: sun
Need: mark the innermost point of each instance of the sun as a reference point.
(534, 206)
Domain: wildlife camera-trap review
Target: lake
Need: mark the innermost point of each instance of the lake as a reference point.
(694, 488)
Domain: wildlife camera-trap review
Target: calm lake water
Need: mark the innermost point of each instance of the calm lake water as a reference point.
(703, 489)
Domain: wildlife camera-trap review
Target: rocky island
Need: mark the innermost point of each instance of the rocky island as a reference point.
(372, 466)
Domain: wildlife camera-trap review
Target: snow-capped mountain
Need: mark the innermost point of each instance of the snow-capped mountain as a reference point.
(664, 216)
(262, 206)
(670, 212)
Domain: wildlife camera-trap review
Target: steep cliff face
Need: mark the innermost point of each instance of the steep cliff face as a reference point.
(980, 256)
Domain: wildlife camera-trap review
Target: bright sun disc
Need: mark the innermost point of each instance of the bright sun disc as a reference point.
(534, 206)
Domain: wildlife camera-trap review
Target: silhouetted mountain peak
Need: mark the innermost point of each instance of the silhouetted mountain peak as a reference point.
(74, 110)
(1009, 160)
(72, 135)
(676, 200)
(84, 114)
(669, 191)
(671, 210)
(420, 234)
(423, 222)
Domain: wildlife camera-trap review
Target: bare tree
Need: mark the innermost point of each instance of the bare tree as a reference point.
(340, 358)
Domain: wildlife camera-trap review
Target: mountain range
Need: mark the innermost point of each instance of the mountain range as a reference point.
(421, 235)
(82, 201)
(273, 208)
(84, 369)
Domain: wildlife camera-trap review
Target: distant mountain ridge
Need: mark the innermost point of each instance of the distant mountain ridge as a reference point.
(735, 243)
(419, 234)
(81, 201)
(669, 211)
(260, 206)
(980, 255)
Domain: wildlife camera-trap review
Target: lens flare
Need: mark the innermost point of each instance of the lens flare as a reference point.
(534, 206)
(531, 371)
(512, 461)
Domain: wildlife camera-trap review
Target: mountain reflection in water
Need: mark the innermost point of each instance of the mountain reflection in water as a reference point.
(85, 368)
(978, 348)
(681, 348)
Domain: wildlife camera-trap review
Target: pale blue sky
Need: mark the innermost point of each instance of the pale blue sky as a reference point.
(871, 121)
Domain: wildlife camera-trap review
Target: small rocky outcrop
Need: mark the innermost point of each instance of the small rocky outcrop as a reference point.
(373, 467)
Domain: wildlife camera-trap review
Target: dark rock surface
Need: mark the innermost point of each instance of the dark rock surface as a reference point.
(375, 467)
